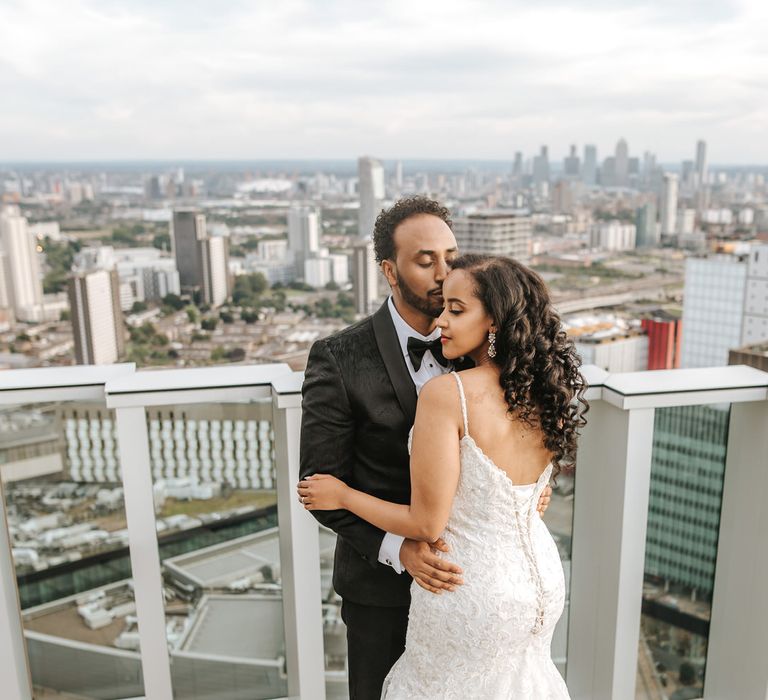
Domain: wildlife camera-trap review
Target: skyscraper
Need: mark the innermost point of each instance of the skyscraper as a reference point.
(701, 163)
(97, 321)
(303, 234)
(495, 233)
(571, 164)
(214, 262)
(365, 276)
(517, 165)
(370, 175)
(669, 205)
(589, 173)
(24, 286)
(202, 260)
(187, 230)
(621, 164)
(541, 166)
(645, 222)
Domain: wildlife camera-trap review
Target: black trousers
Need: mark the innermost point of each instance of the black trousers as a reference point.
(375, 640)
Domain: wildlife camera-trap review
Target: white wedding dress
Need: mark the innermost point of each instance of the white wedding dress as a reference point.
(490, 638)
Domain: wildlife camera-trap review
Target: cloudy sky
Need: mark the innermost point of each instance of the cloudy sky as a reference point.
(197, 79)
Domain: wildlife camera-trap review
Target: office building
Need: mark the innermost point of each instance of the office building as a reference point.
(755, 329)
(365, 274)
(201, 259)
(495, 233)
(621, 164)
(188, 228)
(669, 205)
(97, 320)
(589, 172)
(687, 468)
(701, 163)
(713, 306)
(216, 282)
(370, 175)
(303, 234)
(612, 235)
(572, 164)
(541, 167)
(23, 282)
(647, 235)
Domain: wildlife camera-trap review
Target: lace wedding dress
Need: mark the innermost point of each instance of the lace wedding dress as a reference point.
(490, 638)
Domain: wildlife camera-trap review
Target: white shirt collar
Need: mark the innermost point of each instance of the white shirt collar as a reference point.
(404, 331)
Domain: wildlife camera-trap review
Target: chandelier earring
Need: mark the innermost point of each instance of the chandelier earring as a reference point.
(491, 344)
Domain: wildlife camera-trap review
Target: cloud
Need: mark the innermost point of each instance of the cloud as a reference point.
(195, 79)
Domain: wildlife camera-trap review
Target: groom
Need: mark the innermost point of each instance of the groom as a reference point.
(359, 403)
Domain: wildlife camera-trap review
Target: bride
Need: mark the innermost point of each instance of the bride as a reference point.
(484, 445)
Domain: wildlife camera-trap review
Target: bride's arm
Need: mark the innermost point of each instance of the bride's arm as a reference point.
(434, 473)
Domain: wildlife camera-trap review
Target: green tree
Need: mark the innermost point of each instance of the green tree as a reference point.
(208, 324)
(162, 241)
(138, 307)
(193, 314)
(174, 301)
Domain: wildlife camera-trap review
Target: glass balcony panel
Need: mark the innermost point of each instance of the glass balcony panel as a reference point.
(213, 476)
(559, 520)
(687, 470)
(66, 518)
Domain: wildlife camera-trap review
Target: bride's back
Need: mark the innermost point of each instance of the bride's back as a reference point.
(513, 446)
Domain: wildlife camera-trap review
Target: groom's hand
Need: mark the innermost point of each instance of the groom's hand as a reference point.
(545, 498)
(429, 570)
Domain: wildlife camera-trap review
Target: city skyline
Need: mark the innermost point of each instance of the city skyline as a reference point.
(297, 81)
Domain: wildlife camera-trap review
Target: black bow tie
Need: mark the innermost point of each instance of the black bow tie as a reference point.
(417, 348)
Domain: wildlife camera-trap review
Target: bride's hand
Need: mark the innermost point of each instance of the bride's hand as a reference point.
(321, 492)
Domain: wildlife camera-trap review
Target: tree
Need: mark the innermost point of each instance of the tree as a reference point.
(226, 317)
(138, 307)
(249, 316)
(332, 286)
(193, 314)
(174, 301)
(162, 241)
(235, 354)
(208, 324)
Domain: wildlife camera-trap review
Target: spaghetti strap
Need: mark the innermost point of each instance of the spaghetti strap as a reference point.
(463, 403)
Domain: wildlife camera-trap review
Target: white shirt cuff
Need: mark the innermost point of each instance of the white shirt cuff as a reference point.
(389, 552)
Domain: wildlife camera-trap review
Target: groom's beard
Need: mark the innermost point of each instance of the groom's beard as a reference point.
(431, 306)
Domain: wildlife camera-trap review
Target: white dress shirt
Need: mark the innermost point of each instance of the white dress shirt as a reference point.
(389, 552)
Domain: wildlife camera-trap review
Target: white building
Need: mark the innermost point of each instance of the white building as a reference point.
(216, 281)
(610, 342)
(686, 222)
(339, 268)
(371, 188)
(24, 284)
(713, 307)
(303, 234)
(495, 233)
(701, 163)
(365, 273)
(97, 321)
(612, 235)
(755, 329)
(669, 205)
(317, 272)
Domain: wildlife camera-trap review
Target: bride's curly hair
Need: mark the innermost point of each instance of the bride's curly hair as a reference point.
(539, 364)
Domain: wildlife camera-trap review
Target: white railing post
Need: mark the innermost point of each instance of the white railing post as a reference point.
(608, 556)
(738, 631)
(144, 550)
(14, 670)
(299, 553)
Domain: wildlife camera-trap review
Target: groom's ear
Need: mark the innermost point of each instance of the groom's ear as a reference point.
(389, 271)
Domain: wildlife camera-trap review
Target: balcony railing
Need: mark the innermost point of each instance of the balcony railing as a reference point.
(600, 629)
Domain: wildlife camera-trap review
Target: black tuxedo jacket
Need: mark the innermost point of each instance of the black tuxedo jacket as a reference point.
(359, 403)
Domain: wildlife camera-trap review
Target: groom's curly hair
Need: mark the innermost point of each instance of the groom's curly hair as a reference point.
(389, 219)
(539, 364)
